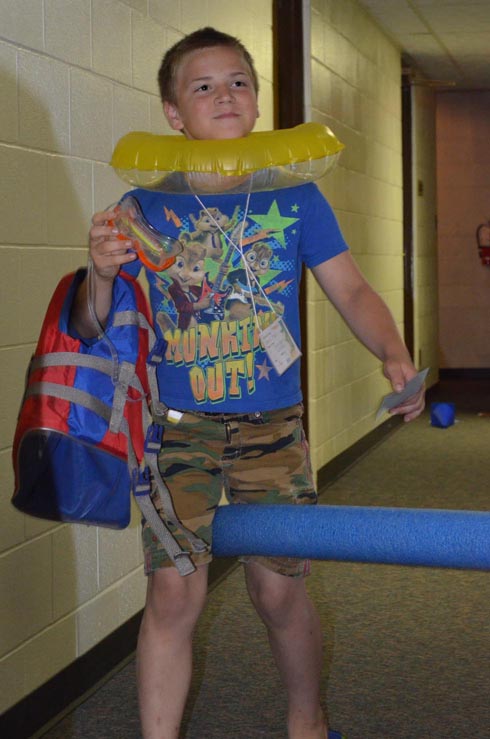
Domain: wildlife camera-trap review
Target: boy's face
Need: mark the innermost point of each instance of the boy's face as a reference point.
(215, 96)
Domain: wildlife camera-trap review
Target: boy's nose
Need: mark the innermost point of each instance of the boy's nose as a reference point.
(223, 94)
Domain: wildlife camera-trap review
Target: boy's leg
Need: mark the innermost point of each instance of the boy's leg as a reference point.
(274, 468)
(164, 654)
(189, 462)
(295, 637)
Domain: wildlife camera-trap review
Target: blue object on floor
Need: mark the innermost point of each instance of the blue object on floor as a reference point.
(442, 415)
(335, 735)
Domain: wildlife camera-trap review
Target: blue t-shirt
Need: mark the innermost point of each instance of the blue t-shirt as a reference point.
(205, 305)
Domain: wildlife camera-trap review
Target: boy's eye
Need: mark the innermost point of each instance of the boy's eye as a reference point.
(203, 88)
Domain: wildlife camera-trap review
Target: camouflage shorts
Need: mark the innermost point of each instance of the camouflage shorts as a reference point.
(207, 460)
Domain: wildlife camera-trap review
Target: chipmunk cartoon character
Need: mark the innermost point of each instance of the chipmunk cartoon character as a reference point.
(245, 283)
(187, 274)
(208, 227)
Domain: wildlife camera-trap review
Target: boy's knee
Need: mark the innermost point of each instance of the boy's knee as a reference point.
(275, 596)
(174, 601)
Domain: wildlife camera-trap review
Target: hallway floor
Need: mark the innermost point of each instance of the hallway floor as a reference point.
(407, 649)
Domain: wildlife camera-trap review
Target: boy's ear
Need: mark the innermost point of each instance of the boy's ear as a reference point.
(172, 115)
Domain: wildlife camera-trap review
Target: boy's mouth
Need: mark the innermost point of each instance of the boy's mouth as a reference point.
(226, 115)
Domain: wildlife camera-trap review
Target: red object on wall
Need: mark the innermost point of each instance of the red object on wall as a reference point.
(483, 241)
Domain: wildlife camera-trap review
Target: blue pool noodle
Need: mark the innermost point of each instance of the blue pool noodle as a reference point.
(403, 536)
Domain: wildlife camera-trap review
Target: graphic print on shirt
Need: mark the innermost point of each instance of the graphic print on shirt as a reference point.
(213, 296)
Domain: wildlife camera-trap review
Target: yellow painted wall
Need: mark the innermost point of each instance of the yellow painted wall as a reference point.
(355, 89)
(75, 76)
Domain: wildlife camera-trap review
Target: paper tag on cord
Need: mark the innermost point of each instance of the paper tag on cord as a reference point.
(279, 345)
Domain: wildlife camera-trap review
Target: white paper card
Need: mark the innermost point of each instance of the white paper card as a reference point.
(279, 345)
(393, 399)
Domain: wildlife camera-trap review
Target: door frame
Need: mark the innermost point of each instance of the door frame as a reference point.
(408, 221)
(289, 110)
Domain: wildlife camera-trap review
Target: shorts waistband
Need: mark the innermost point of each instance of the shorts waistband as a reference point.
(257, 417)
(280, 415)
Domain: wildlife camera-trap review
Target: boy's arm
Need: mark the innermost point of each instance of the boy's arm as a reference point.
(108, 253)
(370, 320)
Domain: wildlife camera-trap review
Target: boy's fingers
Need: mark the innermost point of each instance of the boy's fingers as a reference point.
(399, 374)
(412, 407)
(103, 216)
(100, 233)
(113, 248)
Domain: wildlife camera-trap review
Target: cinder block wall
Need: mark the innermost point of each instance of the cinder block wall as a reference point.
(355, 89)
(76, 75)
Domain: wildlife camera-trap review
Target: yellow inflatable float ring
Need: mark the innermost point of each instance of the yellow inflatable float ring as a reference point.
(271, 159)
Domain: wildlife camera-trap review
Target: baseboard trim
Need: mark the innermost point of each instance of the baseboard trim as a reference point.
(67, 688)
(465, 373)
(330, 472)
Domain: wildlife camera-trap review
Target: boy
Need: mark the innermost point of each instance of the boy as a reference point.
(235, 422)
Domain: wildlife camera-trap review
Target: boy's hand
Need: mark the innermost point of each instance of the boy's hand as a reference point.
(399, 372)
(107, 250)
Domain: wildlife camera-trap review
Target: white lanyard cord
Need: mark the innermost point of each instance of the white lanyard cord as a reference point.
(239, 248)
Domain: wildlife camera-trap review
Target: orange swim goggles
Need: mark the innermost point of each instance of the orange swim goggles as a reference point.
(157, 251)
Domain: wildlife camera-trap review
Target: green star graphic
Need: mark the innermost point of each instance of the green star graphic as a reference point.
(269, 276)
(295, 208)
(274, 220)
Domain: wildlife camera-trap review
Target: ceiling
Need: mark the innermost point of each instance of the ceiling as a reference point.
(448, 41)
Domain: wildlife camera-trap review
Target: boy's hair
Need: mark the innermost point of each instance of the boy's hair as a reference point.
(204, 38)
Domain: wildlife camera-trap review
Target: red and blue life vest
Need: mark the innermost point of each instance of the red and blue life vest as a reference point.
(85, 438)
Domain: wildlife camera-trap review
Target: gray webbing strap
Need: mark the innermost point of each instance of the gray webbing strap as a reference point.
(71, 359)
(181, 559)
(132, 461)
(72, 395)
(124, 379)
(135, 318)
(151, 458)
(159, 408)
(88, 361)
(197, 544)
